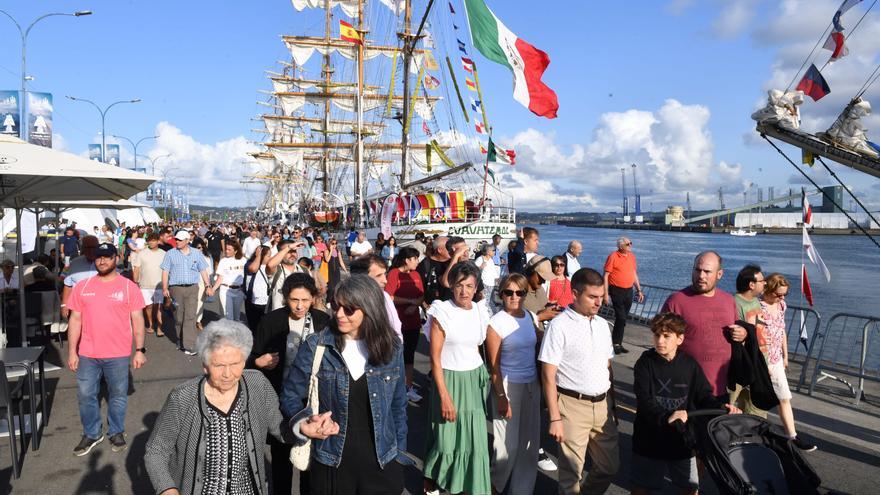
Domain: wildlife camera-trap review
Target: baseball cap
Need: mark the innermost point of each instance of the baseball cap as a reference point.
(537, 265)
(182, 235)
(105, 249)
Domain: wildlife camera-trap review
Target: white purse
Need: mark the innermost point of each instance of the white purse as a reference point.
(300, 455)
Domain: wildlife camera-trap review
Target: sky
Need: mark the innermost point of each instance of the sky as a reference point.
(666, 85)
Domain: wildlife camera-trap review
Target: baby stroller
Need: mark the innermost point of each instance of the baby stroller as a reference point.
(745, 456)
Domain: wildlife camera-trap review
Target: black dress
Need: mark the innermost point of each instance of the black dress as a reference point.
(359, 472)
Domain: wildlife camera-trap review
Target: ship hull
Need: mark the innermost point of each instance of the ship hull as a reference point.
(472, 232)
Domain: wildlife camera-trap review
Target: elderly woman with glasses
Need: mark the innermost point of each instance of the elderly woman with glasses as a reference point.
(216, 424)
(359, 433)
(457, 454)
(510, 345)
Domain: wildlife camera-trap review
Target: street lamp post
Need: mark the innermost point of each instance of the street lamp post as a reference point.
(135, 146)
(23, 124)
(153, 173)
(103, 119)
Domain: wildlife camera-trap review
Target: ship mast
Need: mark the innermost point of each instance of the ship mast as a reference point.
(359, 149)
(328, 74)
(409, 45)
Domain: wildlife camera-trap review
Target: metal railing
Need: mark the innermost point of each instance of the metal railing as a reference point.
(642, 312)
(799, 351)
(846, 349)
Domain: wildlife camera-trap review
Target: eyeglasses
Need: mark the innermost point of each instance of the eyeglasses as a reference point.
(510, 293)
(348, 310)
(628, 243)
(557, 265)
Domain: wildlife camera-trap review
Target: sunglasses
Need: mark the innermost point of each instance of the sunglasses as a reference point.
(555, 265)
(510, 293)
(628, 243)
(348, 310)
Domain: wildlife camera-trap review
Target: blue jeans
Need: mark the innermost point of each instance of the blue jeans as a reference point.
(88, 381)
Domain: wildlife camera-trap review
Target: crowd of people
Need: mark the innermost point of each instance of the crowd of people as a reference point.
(314, 357)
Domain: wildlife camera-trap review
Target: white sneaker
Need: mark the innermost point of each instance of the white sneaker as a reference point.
(412, 395)
(545, 462)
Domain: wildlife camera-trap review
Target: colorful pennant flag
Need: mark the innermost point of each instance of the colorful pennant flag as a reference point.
(431, 82)
(347, 32)
(483, 149)
(808, 210)
(470, 84)
(481, 129)
(813, 254)
(805, 285)
(451, 10)
(468, 64)
(475, 105)
(431, 62)
(426, 129)
(461, 46)
(813, 84)
(836, 41)
(500, 155)
(497, 43)
(808, 158)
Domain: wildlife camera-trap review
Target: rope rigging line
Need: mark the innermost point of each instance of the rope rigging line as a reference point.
(810, 56)
(847, 189)
(852, 31)
(817, 186)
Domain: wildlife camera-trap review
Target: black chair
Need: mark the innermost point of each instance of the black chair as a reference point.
(11, 397)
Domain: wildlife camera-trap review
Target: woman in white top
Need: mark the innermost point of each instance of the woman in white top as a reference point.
(511, 340)
(490, 273)
(256, 286)
(230, 279)
(457, 455)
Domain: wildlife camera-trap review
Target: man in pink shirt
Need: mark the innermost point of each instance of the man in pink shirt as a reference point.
(710, 314)
(105, 319)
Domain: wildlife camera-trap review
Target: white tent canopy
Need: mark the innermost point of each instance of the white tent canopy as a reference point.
(31, 174)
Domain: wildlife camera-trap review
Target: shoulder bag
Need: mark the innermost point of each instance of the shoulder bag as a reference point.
(300, 455)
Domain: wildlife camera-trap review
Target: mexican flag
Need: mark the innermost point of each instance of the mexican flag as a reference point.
(499, 44)
(500, 155)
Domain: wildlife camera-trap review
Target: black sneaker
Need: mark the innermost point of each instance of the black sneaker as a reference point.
(803, 445)
(86, 444)
(619, 349)
(117, 442)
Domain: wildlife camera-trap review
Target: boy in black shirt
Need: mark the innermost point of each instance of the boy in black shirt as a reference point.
(667, 385)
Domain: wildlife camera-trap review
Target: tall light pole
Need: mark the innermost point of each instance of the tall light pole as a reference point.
(23, 124)
(104, 119)
(135, 146)
(153, 172)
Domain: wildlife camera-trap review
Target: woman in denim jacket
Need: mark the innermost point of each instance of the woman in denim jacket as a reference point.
(359, 434)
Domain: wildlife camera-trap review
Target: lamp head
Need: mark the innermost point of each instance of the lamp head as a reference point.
(80, 13)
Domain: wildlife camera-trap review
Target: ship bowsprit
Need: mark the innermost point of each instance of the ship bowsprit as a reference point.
(828, 149)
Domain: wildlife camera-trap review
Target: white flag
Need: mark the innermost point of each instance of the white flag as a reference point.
(813, 254)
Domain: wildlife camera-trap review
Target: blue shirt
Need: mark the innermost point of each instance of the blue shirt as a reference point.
(80, 269)
(71, 248)
(183, 269)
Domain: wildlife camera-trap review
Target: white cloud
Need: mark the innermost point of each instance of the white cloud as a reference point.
(671, 147)
(212, 172)
(735, 17)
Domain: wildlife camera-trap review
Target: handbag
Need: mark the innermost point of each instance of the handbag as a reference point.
(301, 455)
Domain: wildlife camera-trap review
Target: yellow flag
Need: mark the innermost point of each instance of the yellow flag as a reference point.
(431, 62)
(808, 158)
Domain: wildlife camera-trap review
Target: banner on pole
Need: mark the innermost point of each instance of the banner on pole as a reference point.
(113, 155)
(40, 118)
(95, 153)
(10, 113)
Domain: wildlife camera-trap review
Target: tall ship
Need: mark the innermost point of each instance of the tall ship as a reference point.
(371, 124)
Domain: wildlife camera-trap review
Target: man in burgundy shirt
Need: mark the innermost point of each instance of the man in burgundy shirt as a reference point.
(710, 314)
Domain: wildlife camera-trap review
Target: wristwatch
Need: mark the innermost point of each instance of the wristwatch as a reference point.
(142, 350)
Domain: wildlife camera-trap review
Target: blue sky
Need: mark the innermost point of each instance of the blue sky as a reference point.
(669, 85)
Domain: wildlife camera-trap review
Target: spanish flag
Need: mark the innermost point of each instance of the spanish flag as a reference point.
(348, 33)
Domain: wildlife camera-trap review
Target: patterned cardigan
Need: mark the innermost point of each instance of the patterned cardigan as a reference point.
(175, 453)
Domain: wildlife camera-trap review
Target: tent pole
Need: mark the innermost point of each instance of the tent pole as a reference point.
(20, 260)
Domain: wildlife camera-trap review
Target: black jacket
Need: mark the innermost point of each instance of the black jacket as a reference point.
(271, 336)
(749, 369)
(661, 388)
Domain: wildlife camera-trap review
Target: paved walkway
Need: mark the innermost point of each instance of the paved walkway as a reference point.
(847, 460)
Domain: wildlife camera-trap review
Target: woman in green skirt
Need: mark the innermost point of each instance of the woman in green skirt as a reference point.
(457, 458)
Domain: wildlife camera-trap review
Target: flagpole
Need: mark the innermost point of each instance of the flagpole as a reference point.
(486, 173)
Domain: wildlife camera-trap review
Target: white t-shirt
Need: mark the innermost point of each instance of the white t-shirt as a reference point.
(260, 291)
(360, 248)
(355, 356)
(250, 245)
(392, 315)
(518, 340)
(580, 347)
(464, 330)
(231, 270)
(489, 270)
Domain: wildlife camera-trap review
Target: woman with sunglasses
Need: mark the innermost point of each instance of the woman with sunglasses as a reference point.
(559, 290)
(359, 434)
(510, 346)
(335, 266)
(773, 314)
(457, 455)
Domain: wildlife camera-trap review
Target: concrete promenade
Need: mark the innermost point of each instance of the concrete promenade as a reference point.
(848, 459)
